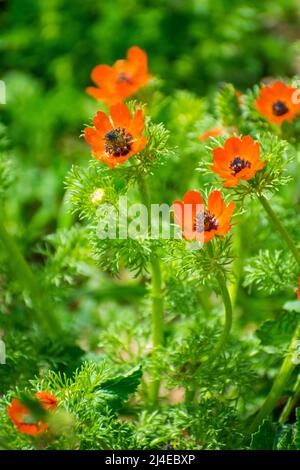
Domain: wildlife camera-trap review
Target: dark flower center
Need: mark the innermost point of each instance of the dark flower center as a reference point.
(118, 142)
(279, 108)
(205, 221)
(238, 164)
(124, 78)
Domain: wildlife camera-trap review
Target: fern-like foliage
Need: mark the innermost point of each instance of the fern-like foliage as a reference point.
(271, 271)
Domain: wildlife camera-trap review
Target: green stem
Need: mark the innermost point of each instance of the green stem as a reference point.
(236, 265)
(228, 316)
(279, 384)
(191, 391)
(157, 298)
(289, 362)
(281, 229)
(43, 314)
(157, 320)
(291, 403)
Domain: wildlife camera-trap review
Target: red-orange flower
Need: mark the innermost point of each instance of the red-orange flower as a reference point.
(23, 419)
(298, 290)
(215, 132)
(47, 400)
(277, 102)
(238, 160)
(200, 223)
(114, 139)
(123, 79)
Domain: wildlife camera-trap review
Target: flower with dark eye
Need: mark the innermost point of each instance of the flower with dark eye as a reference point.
(116, 137)
(200, 222)
(238, 160)
(277, 102)
(123, 79)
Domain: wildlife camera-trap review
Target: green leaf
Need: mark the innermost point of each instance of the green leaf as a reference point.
(278, 332)
(264, 438)
(121, 386)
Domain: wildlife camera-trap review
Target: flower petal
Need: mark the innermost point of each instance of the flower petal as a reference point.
(103, 75)
(137, 123)
(120, 115)
(139, 144)
(102, 122)
(192, 197)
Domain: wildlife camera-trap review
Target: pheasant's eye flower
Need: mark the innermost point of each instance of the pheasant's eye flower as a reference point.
(215, 132)
(238, 160)
(276, 103)
(114, 139)
(23, 419)
(47, 400)
(123, 79)
(203, 223)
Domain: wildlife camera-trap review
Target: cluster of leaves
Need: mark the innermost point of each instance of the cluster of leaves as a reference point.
(90, 403)
(273, 436)
(271, 271)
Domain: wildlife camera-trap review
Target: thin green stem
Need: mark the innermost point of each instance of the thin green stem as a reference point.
(157, 298)
(157, 320)
(280, 382)
(289, 362)
(43, 313)
(291, 403)
(228, 316)
(237, 264)
(191, 391)
(281, 229)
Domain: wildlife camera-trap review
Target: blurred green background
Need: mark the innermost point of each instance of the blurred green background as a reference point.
(48, 49)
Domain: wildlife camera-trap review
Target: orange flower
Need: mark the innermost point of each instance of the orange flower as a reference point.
(115, 139)
(123, 79)
(200, 223)
(47, 400)
(23, 419)
(215, 132)
(238, 160)
(276, 103)
(298, 290)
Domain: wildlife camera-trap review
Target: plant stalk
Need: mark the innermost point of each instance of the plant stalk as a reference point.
(280, 382)
(281, 229)
(291, 403)
(289, 362)
(157, 298)
(228, 316)
(157, 320)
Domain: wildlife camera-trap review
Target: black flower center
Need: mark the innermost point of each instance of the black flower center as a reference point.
(118, 142)
(124, 78)
(279, 108)
(205, 222)
(238, 164)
